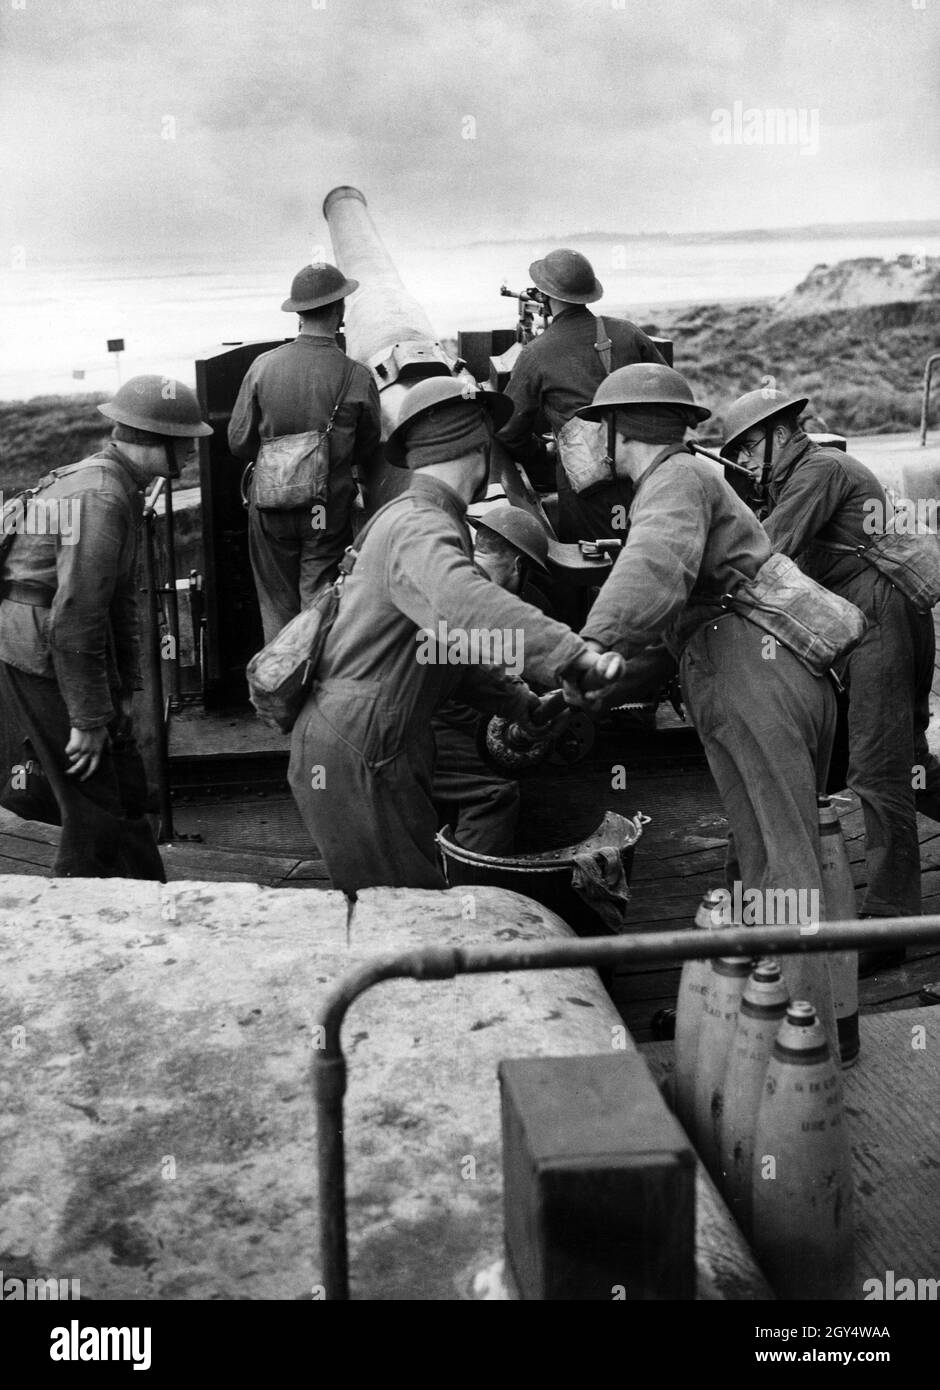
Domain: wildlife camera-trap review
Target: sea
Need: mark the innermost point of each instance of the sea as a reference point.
(59, 319)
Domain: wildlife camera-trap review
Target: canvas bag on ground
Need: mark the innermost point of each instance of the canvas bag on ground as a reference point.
(818, 626)
(293, 470)
(280, 675)
(911, 563)
(582, 444)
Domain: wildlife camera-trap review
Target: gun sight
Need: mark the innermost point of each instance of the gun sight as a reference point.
(531, 293)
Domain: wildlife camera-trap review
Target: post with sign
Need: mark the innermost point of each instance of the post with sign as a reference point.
(116, 345)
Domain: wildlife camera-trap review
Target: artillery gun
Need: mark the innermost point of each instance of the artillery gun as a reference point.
(388, 331)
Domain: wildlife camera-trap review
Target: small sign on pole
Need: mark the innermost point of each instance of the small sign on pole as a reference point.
(116, 345)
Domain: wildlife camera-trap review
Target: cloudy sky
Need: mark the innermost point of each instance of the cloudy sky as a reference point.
(138, 128)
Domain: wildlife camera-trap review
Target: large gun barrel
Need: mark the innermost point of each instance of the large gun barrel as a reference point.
(386, 328)
(389, 332)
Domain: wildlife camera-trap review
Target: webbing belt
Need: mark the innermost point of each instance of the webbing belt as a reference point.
(34, 595)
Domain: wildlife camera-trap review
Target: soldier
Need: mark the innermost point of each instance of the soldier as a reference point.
(69, 639)
(481, 804)
(300, 512)
(412, 611)
(557, 373)
(766, 724)
(820, 499)
(512, 548)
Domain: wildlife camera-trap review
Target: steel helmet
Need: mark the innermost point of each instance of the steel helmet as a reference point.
(566, 275)
(159, 405)
(438, 393)
(753, 409)
(316, 286)
(643, 384)
(520, 529)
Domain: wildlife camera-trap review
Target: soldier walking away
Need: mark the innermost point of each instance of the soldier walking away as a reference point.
(69, 639)
(362, 750)
(766, 725)
(555, 375)
(822, 504)
(309, 417)
(480, 804)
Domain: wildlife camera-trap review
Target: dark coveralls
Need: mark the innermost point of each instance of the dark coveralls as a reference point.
(766, 724)
(68, 655)
(480, 804)
(362, 750)
(291, 390)
(556, 374)
(817, 496)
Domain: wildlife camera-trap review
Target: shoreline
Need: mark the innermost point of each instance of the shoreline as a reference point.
(669, 310)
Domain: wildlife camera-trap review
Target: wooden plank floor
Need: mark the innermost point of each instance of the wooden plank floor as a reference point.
(669, 880)
(891, 1092)
(240, 844)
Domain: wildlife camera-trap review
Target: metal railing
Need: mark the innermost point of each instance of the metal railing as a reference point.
(928, 373)
(444, 963)
(159, 705)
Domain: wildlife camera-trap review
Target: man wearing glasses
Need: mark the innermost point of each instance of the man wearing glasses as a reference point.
(818, 499)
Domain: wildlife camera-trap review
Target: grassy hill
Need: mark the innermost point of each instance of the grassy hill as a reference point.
(47, 432)
(50, 432)
(862, 368)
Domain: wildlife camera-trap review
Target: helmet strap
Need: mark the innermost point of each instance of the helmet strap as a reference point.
(610, 460)
(768, 454)
(760, 486)
(172, 468)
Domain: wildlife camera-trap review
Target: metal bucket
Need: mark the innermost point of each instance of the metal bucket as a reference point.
(546, 876)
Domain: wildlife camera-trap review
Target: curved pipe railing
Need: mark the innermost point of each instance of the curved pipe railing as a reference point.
(443, 963)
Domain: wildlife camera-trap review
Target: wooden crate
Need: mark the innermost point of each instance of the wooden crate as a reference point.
(598, 1181)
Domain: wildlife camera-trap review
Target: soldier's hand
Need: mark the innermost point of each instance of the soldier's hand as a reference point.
(547, 714)
(591, 678)
(84, 750)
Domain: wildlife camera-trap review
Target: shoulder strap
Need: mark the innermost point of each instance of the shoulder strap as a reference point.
(836, 547)
(343, 391)
(96, 461)
(603, 345)
(659, 460)
(351, 554)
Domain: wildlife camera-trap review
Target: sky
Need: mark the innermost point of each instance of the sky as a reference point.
(131, 129)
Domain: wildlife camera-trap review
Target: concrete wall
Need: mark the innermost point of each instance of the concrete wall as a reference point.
(157, 1129)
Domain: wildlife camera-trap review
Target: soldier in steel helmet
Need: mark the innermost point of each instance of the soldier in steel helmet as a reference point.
(362, 749)
(300, 513)
(822, 504)
(481, 804)
(69, 640)
(765, 719)
(557, 373)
